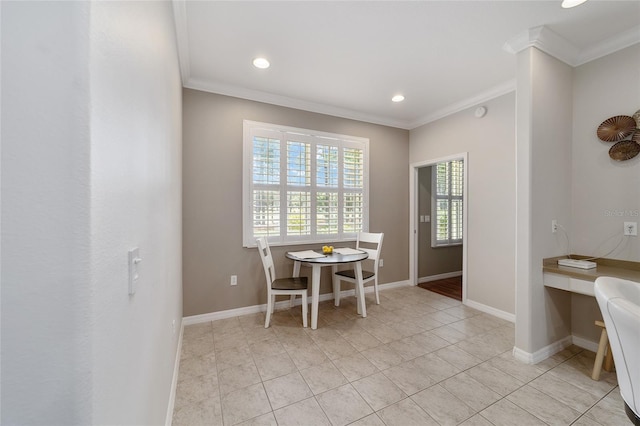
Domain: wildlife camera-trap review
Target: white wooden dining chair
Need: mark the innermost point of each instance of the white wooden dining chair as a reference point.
(291, 286)
(349, 275)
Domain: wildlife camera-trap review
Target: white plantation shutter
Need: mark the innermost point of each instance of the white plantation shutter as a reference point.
(327, 182)
(447, 203)
(302, 186)
(353, 202)
(265, 193)
(298, 171)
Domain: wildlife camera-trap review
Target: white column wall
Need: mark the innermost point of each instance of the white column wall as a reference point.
(544, 135)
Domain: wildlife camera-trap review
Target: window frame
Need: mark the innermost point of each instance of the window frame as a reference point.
(449, 242)
(286, 134)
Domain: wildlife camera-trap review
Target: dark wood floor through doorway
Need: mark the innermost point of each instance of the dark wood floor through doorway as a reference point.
(450, 287)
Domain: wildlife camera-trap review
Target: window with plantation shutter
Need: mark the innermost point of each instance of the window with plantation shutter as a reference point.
(303, 186)
(447, 203)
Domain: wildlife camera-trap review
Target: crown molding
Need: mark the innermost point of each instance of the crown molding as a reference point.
(270, 98)
(182, 38)
(542, 38)
(284, 101)
(610, 45)
(487, 95)
(551, 43)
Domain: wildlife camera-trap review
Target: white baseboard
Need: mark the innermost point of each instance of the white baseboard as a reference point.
(439, 277)
(584, 343)
(174, 380)
(388, 286)
(213, 316)
(547, 351)
(542, 354)
(490, 310)
(367, 289)
(247, 310)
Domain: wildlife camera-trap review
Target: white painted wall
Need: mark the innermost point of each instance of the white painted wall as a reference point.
(490, 142)
(91, 167)
(544, 113)
(136, 175)
(46, 349)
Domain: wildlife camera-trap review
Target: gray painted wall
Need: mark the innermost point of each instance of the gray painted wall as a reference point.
(603, 188)
(600, 186)
(212, 194)
(490, 142)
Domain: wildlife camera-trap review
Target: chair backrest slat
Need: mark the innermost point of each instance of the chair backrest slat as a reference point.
(267, 260)
(371, 238)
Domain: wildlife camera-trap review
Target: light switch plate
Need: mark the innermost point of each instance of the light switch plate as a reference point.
(134, 260)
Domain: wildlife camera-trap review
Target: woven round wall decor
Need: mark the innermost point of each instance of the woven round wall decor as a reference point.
(616, 128)
(624, 130)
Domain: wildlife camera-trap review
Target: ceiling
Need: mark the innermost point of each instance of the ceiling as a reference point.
(348, 58)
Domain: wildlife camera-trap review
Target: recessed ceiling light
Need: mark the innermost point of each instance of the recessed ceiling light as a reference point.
(398, 98)
(571, 3)
(261, 63)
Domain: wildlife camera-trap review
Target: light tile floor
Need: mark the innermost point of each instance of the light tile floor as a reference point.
(417, 359)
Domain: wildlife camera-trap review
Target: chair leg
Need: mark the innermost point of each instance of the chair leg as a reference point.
(269, 311)
(304, 310)
(292, 302)
(602, 346)
(375, 288)
(359, 284)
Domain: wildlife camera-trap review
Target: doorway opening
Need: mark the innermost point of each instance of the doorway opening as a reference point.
(438, 225)
(450, 287)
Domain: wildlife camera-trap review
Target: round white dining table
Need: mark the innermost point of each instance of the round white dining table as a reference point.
(332, 260)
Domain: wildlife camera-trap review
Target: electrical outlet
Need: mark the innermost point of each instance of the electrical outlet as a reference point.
(381, 263)
(554, 226)
(173, 325)
(631, 228)
(234, 280)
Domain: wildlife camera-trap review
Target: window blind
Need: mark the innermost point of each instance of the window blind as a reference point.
(447, 199)
(302, 186)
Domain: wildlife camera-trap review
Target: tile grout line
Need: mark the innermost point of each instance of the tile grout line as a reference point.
(359, 351)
